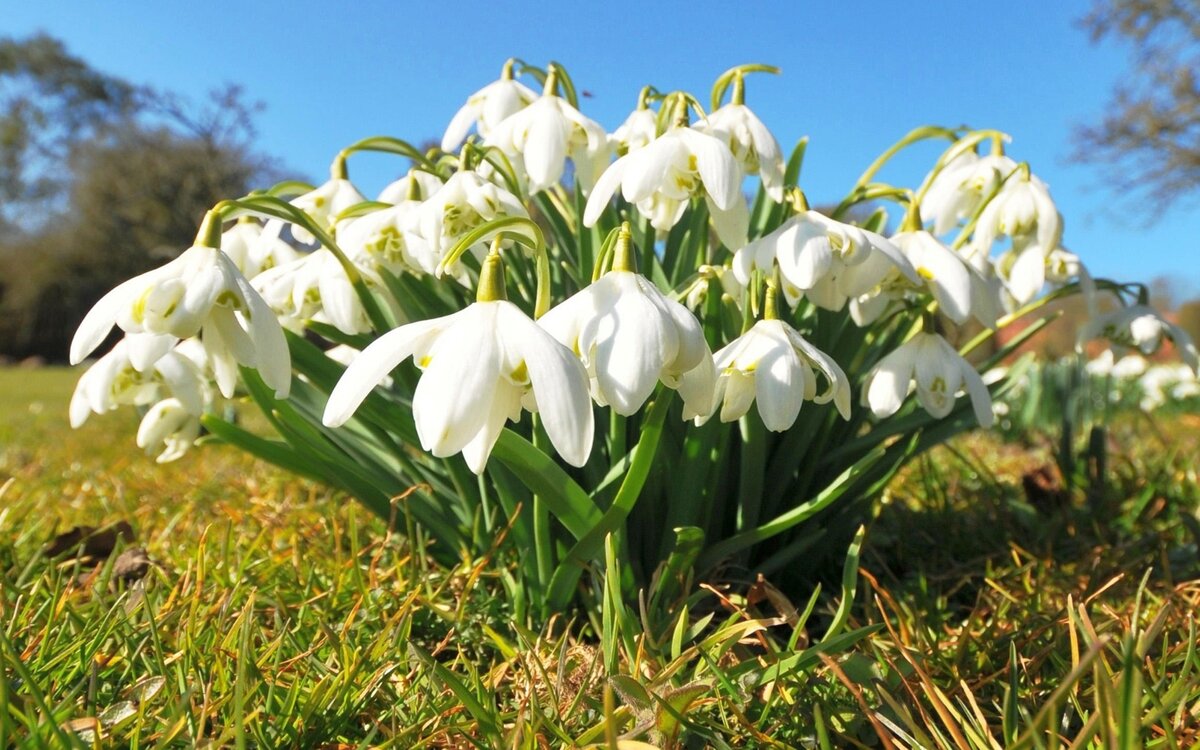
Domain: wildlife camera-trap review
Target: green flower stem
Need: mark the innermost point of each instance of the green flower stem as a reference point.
(515, 228)
(209, 234)
(337, 169)
(739, 90)
(491, 277)
(870, 192)
(771, 299)
(384, 144)
(624, 258)
(967, 143)
(276, 208)
(604, 256)
(562, 585)
(734, 76)
(917, 134)
(752, 465)
(550, 88)
(543, 541)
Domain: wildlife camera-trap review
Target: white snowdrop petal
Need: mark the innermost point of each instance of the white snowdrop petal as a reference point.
(450, 403)
(374, 364)
(559, 384)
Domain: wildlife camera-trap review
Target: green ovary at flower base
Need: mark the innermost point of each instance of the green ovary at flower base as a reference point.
(801, 307)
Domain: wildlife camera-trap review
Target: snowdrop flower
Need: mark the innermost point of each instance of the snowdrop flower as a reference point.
(752, 145)
(114, 381)
(1162, 382)
(1023, 271)
(730, 286)
(774, 365)
(958, 288)
(630, 336)
(464, 203)
(638, 130)
(663, 176)
(1140, 327)
(939, 373)
(323, 204)
(1022, 210)
(1129, 366)
(168, 429)
(415, 186)
(254, 249)
(1100, 365)
(387, 238)
(957, 191)
(200, 292)
(810, 247)
(487, 108)
(1186, 389)
(315, 287)
(542, 136)
(344, 355)
(480, 365)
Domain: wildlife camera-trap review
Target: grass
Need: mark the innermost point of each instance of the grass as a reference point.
(277, 614)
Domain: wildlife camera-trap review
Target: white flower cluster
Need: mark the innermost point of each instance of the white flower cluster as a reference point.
(227, 300)
(1157, 383)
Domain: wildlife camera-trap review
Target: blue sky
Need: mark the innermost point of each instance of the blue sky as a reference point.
(856, 76)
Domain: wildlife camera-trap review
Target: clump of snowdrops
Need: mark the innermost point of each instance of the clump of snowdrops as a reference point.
(591, 348)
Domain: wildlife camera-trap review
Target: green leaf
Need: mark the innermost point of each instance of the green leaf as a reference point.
(544, 477)
(785, 521)
(484, 717)
(849, 585)
(562, 584)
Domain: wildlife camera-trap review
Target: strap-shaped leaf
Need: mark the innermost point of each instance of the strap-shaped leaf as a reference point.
(562, 584)
(544, 477)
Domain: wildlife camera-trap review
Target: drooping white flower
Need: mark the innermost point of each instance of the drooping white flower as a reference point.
(1186, 389)
(541, 137)
(1163, 382)
(168, 429)
(200, 292)
(1023, 271)
(958, 288)
(113, 381)
(316, 287)
(773, 365)
(959, 189)
(481, 366)
(1100, 365)
(1140, 327)
(1129, 366)
(387, 239)
(417, 185)
(464, 203)
(254, 249)
(730, 285)
(630, 336)
(1022, 210)
(752, 145)
(810, 247)
(938, 372)
(485, 109)
(638, 130)
(663, 176)
(323, 205)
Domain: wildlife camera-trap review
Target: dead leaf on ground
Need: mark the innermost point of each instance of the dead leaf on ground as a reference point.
(132, 565)
(89, 541)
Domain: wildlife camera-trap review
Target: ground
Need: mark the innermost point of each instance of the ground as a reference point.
(994, 608)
